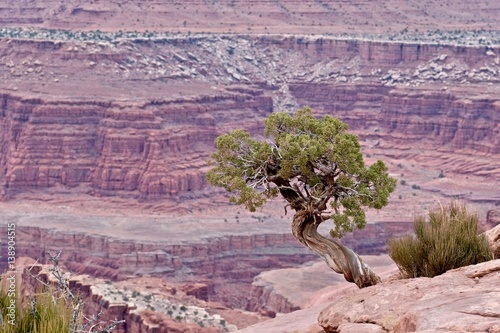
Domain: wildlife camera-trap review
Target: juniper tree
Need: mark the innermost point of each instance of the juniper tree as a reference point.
(318, 168)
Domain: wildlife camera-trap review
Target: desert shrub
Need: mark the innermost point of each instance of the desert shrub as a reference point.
(52, 308)
(43, 312)
(449, 239)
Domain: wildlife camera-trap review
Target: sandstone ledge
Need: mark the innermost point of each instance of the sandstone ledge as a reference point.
(461, 300)
(464, 299)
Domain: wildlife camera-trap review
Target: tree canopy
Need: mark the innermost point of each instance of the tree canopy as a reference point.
(315, 164)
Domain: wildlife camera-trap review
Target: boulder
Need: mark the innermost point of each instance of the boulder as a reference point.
(493, 237)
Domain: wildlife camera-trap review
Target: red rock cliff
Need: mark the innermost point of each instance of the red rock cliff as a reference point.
(145, 144)
(156, 149)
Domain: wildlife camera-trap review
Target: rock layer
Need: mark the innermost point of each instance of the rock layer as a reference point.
(226, 265)
(263, 16)
(155, 143)
(135, 320)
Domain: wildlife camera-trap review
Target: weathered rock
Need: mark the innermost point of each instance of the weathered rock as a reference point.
(198, 290)
(287, 290)
(464, 299)
(210, 263)
(301, 321)
(492, 218)
(493, 237)
(143, 147)
(110, 148)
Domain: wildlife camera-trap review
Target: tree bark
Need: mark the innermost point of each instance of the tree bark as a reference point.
(337, 256)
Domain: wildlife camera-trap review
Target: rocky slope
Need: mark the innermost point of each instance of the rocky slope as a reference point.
(398, 312)
(225, 265)
(161, 308)
(463, 299)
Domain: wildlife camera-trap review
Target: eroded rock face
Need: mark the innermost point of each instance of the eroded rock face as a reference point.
(463, 299)
(286, 16)
(220, 269)
(87, 132)
(107, 148)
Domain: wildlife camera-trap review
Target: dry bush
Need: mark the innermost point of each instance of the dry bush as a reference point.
(449, 239)
(53, 308)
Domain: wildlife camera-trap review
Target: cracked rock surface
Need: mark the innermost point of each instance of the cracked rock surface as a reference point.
(466, 299)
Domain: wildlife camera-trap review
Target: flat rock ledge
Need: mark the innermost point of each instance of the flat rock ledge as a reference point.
(466, 299)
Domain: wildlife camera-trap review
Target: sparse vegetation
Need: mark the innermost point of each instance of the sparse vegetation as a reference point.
(449, 239)
(53, 308)
(449, 37)
(163, 305)
(45, 314)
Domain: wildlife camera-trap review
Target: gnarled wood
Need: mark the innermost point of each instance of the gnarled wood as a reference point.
(337, 256)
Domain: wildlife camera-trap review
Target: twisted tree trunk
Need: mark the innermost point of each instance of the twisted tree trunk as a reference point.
(337, 256)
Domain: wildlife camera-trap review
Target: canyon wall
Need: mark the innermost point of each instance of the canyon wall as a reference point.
(227, 265)
(92, 137)
(135, 320)
(262, 16)
(152, 150)
(405, 117)
(137, 118)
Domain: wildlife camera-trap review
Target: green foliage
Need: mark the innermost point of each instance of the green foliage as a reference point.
(311, 162)
(448, 240)
(48, 315)
(239, 158)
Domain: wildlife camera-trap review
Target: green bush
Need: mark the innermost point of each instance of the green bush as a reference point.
(449, 239)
